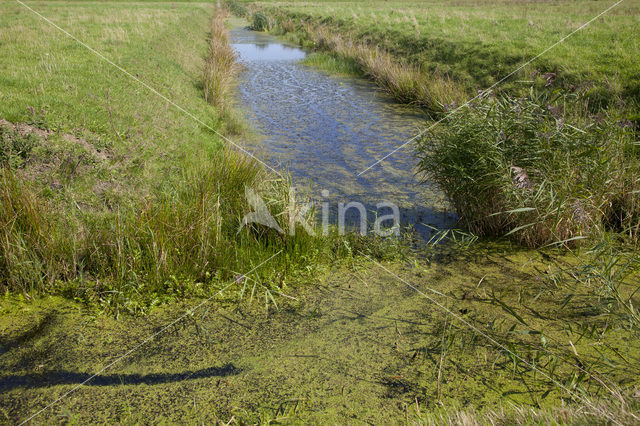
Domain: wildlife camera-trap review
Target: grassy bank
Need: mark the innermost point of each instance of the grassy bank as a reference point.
(466, 46)
(113, 196)
(220, 72)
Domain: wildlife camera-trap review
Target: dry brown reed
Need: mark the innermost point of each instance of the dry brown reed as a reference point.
(220, 65)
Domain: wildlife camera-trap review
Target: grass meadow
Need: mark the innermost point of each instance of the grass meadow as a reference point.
(474, 43)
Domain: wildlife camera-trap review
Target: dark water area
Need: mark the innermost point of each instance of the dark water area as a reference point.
(326, 129)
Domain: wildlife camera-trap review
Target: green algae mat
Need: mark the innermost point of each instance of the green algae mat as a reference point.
(371, 342)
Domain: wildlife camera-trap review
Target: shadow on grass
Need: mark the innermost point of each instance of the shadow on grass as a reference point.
(54, 378)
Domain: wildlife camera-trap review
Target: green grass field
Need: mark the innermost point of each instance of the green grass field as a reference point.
(71, 90)
(478, 42)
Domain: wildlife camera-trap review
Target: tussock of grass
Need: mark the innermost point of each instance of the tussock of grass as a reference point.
(530, 169)
(220, 70)
(260, 22)
(27, 259)
(237, 8)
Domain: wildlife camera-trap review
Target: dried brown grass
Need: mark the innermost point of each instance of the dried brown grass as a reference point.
(621, 410)
(220, 65)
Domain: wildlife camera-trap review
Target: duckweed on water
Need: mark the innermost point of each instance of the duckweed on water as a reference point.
(359, 344)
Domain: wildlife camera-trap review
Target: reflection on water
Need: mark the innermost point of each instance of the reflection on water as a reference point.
(267, 52)
(327, 129)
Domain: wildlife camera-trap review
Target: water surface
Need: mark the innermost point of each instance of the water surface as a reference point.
(326, 129)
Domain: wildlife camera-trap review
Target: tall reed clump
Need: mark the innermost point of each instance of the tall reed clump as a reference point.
(260, 22)
(530, 169)
(220, 65)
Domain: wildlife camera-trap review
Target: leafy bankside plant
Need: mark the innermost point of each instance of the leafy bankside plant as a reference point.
(530, 169)
(260, 22)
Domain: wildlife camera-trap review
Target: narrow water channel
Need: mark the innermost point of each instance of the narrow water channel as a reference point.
(326, 129)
